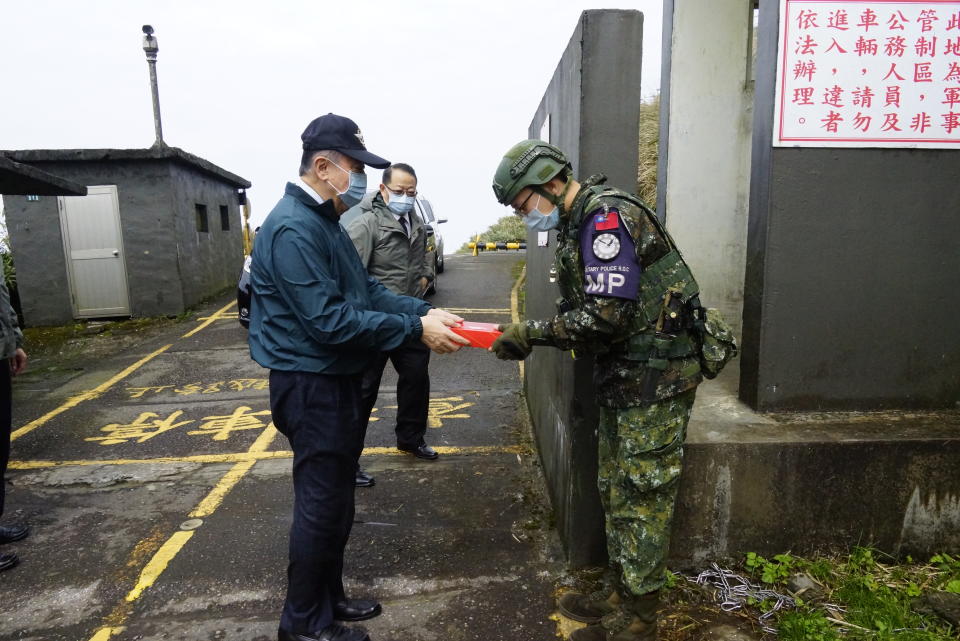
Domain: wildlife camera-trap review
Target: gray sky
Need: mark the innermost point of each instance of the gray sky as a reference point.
(444, 86)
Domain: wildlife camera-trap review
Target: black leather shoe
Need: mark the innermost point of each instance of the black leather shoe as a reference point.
(11, 533)
(364, 479)
(356, 610)
(333, 632)
(8, 560)
(423, 451)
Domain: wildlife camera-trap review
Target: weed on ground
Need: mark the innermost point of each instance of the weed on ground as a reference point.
(863, 595)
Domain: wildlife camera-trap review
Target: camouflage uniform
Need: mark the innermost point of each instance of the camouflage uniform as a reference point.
(643, 421)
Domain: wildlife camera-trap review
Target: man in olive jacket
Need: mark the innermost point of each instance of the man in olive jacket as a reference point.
(391, 241)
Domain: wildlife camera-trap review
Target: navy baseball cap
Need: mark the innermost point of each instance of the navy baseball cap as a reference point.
(340, 134)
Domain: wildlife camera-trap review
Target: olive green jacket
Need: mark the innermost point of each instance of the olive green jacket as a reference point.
(388, 254)
(10, 336)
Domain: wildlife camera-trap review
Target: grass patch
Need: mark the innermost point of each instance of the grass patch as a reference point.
(864, 595)
(64, 343)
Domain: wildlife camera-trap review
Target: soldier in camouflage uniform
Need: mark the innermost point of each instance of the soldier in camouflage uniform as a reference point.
(627, 295)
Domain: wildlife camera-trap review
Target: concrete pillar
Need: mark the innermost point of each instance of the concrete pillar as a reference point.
(590, 110)
(705, 132)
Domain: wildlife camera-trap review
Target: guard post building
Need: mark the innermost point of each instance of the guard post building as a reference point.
(158, 231)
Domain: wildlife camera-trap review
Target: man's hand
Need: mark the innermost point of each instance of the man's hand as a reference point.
(18, 362)
(445, 317)
(437, 335)
(424, 283)
(513, 344)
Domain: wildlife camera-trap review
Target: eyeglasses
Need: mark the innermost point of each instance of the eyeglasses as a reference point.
(519, 210)
(401, 192)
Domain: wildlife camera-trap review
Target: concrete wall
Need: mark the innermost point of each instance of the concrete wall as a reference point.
(598, 135)
(208, 261)
(143, 192)
(852, 270)
(814, 484)
(706, 121)
(34, 228)
(169, 265)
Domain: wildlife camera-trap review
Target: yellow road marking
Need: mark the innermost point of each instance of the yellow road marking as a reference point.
(155, 567)
(515, 307)
(224, 316)
(255, 456)
(86, 396)
(210, 319)
(169, 550)
(465, 310)
(231, 478)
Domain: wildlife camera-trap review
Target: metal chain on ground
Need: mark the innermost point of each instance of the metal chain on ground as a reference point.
(733, 592)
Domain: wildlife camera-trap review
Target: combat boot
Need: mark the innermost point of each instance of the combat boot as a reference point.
(643, 626)
(588, 608)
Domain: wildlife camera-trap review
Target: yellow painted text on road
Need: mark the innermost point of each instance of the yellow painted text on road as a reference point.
(86, 396)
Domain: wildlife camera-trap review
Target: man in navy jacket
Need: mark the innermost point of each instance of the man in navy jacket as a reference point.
(317, 321)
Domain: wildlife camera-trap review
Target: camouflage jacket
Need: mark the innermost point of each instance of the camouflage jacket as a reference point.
(603, 245)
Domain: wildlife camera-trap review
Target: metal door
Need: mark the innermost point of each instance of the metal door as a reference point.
(94, 250)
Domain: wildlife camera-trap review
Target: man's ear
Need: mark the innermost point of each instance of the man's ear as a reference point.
(321, 165)
(555, 185)
(383, 192)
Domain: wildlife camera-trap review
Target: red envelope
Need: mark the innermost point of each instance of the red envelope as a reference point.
(479, 334)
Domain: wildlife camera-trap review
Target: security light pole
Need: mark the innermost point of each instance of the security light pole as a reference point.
(151, 48)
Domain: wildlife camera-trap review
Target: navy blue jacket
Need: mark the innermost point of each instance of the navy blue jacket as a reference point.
(314, 308)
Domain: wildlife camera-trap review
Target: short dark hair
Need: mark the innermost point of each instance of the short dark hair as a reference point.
(388, 172)
(310, 155)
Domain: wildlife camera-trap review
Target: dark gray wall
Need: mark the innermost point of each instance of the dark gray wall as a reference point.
(593, 101)
(143, 193)
(208, 261)
(170, 265)
(37, 245)
(852, 270)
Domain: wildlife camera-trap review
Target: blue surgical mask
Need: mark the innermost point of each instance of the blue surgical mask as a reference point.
(538, 221)
(356, 188)
(400, 205)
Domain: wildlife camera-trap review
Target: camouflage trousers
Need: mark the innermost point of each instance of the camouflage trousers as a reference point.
(641, 456)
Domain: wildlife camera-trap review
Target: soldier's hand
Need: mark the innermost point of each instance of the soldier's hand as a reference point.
(513, 344)
(18, 362)
(444, 316)
(438, 337)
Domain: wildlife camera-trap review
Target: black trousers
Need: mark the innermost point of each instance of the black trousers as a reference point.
(6, 407)
(320, 415)
(413, 391)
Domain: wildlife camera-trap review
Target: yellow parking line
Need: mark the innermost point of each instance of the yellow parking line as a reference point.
(209, 319)
(224, 316)
(196, 458)
(231, 478)
(155, 567)
(86, 396)
(169, 550)
(252, 457)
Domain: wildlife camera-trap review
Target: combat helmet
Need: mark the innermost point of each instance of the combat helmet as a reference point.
(528, 163)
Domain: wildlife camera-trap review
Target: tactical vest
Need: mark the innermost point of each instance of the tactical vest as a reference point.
(668, 276)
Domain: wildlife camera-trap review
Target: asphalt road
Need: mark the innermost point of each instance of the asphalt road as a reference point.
(159, 494)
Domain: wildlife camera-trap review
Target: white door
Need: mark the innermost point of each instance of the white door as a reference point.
(94, 251)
